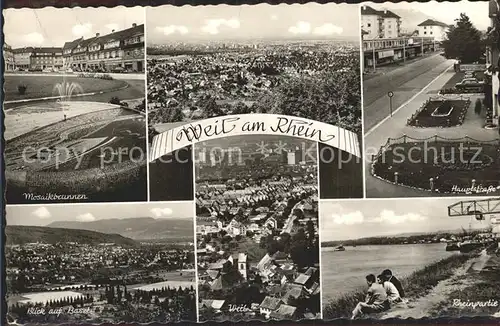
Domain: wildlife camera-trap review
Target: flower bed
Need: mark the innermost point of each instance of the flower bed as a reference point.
(451, 165)
(440, 113)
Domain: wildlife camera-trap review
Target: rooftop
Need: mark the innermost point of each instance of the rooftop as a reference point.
(367, 10)
(433, 22)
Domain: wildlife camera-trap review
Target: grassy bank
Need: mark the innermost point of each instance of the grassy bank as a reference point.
(485, 288)
(415, 285)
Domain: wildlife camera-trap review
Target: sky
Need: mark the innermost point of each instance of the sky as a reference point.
(251, 21)
(353, 219)
(51, 27)
(41, 215)
(445, 12)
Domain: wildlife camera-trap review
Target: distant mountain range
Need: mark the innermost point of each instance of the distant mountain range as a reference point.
(141, 228)
(22, 234)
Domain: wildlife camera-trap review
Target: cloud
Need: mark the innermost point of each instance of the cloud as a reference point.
(161, 212)
(113, 27)
(82, 29)
(212, 25)
(42, 213)
(348, 218)
(87, 217)
(172, 29)
(300, 28)
(274, 17)
(328, 29)
(33, 38)
(387, 216)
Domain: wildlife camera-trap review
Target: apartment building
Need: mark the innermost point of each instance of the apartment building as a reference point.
(433, 28)
(118, 51)
(379, 23)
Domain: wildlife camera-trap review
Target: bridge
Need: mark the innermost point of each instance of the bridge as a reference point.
(378, 52)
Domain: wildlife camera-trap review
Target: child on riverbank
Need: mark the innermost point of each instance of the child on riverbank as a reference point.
(390, 289)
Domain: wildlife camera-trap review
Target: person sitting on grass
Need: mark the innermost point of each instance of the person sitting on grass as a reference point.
(393, 279)
(376, 299)
(391, 291)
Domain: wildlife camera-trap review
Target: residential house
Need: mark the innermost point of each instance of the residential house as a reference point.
(433, 28)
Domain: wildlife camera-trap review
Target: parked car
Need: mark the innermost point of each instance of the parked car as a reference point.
(470, 85)
(118, 69)
(470, 74)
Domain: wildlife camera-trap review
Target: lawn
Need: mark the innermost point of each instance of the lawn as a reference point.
(438, 113)
(448, 163)
(43, 86)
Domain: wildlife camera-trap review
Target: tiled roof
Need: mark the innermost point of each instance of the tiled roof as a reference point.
(270, 303)
(367, 10)
(121, 35)
(28, 49)
(72, 44)
(432, 22)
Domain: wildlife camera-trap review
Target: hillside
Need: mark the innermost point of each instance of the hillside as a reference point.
(141, 228)
(404, 238)
(21, 234)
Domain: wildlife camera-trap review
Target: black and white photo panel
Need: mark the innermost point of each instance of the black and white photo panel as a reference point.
(100, 263)
(74, 105)
(430, 99)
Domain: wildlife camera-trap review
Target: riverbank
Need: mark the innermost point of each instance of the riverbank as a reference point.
(416, 285)
(480, 293)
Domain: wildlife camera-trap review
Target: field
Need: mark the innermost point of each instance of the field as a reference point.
(43, 297)
(43, 86)
(437, 113)
(448, 163)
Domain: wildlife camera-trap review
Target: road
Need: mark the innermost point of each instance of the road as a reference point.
(404, 82)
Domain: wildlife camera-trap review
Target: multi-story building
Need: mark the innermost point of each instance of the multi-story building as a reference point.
(8, 57)
(493, 56)
(433, 28)
(22, 57)
(379, 23)
(117, 51)
(42, 58)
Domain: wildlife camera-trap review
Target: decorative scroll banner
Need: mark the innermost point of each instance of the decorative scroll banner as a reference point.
(253, 124)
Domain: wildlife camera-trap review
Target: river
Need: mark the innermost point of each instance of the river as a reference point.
(345, 271)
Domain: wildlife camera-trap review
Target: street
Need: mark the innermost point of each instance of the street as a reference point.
(404, 82)
(425, 78)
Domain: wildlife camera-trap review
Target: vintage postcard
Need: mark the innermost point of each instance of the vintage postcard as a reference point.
(75, 124)
(95, 263)
(430, 99)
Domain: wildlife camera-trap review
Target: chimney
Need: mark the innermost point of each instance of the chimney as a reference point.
(364, 7)
(134, 25)
(97, 34)
(385, 11)
(113, 31)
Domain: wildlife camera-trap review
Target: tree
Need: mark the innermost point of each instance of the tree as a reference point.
(464, 41)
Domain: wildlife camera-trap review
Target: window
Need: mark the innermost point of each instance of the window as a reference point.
(369, 25)
(425, 27)
(425, 33)
(430, 33)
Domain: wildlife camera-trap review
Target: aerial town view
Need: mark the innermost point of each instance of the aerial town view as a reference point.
(75, 125)
(257, 229)
(100, 263)
(200, 67)
(430, 84)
